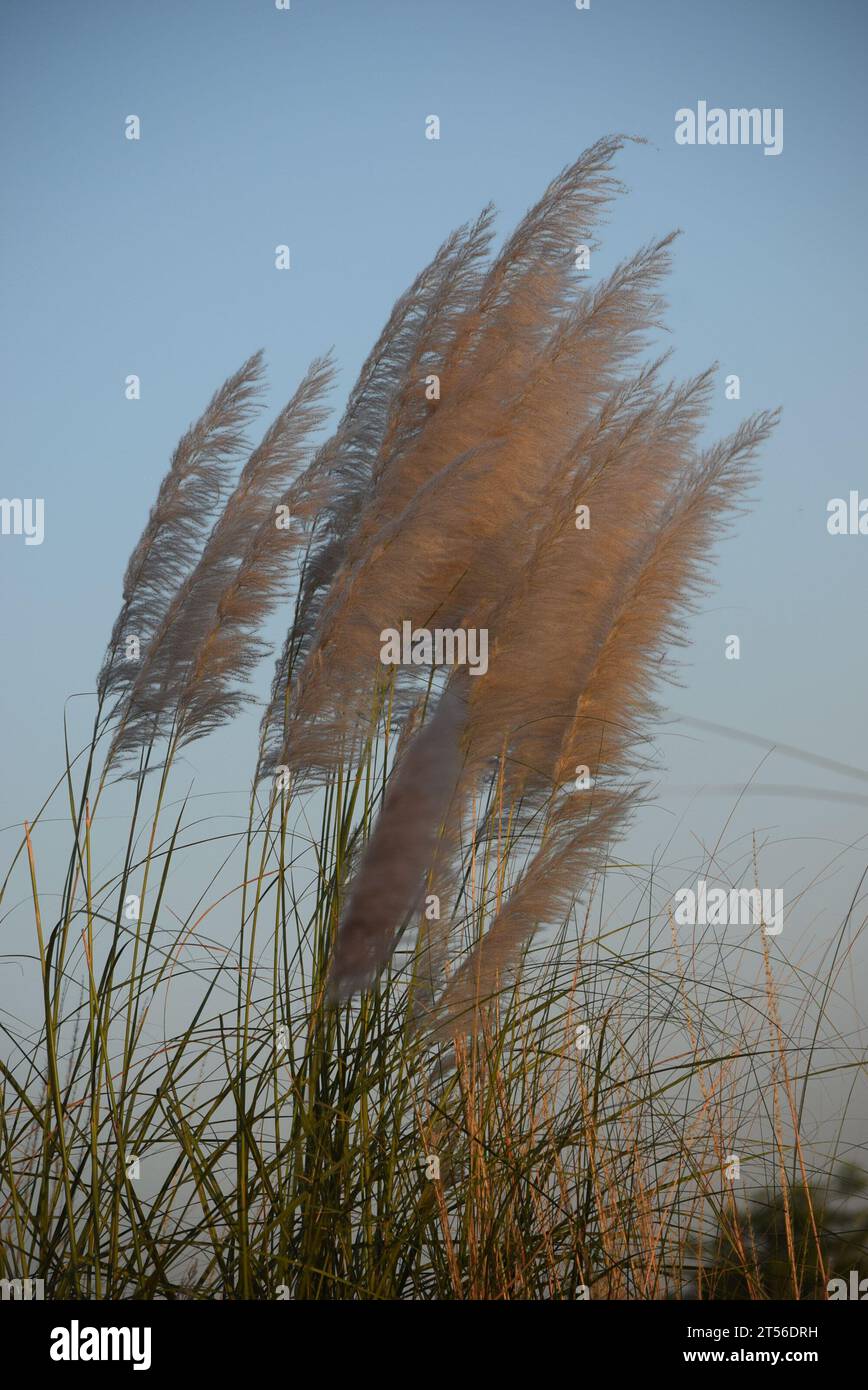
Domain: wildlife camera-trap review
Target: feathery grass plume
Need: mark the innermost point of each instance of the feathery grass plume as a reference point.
(389, 881)
(486, 512)
(623, 476)
(647, 614)
(519, 713)
(572, 852)
(645, 617)
(231, 648)
(530, 283)
(530, 402)
(186, 505)
(655, 596)
(616, 317)
(386, 409)
(185, 661)
(533, 279)
(538, 432)
(530, 708)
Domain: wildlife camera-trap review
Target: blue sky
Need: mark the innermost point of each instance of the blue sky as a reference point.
(306, 127)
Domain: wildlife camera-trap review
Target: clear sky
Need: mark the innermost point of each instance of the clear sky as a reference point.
(307, 127)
